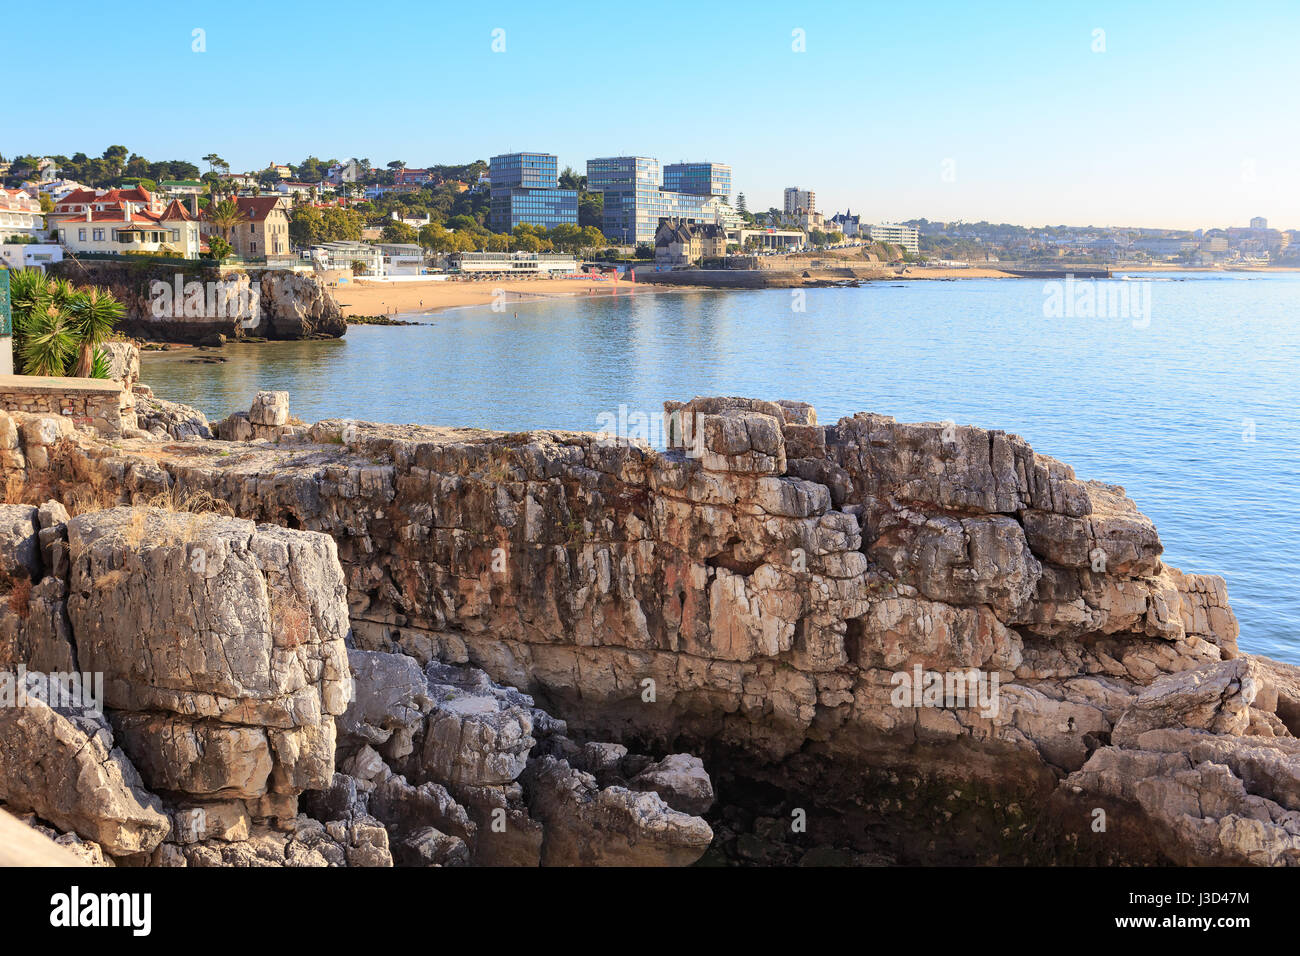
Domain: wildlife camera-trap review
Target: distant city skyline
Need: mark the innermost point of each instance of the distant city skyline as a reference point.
(1166, 118)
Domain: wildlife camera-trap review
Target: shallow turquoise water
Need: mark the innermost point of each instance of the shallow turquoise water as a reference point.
(1162, 407)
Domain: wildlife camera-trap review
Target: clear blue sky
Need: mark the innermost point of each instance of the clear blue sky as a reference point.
(1187, 119)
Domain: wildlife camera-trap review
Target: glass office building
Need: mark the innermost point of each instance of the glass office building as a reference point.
(636, 197)
(524, 170)
(525, 190)
(699, 179)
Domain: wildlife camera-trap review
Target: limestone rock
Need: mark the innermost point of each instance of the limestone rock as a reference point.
(587, 826)
(63, 765)
(680, 779)
(209, 617)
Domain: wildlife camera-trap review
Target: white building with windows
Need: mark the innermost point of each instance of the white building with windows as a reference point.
(20, 214)
(121, 221)
(514, 263)
(341, 255)
(30, 255)
(897, 234)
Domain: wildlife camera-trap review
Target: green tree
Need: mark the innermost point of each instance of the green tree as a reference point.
(219, 249)
(226, 215)
(306, 226)
(395, 231)
(591, 209)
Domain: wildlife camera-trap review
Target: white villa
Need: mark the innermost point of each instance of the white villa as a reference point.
(125, 220)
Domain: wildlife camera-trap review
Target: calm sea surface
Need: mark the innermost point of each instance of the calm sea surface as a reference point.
(1195, 411)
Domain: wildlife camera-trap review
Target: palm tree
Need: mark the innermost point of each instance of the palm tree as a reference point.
(226, 215)
(49, 342)
(94, 313)
(28, 290)
(53, 321)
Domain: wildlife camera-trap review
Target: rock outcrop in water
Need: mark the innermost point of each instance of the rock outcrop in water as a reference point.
(291, 305)
(925, 643)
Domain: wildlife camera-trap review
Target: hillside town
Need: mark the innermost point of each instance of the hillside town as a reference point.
(519, 214)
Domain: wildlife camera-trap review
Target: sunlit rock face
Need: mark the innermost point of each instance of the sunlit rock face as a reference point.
(865, 615)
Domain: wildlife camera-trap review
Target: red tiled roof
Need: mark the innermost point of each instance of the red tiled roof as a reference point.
(175, 211)
(254, 208)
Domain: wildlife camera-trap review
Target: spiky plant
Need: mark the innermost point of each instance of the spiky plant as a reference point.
(29, 293)
(49, 342)
(101, 366)
(94, 313)
(61, 292)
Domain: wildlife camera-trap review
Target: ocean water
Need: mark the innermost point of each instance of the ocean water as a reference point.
(1190, 398)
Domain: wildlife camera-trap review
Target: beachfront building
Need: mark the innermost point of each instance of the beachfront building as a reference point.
(897, 234)
(526, 189)
(126, 221)
(263, 228)
(769, 240)
(513, 263)
(637, 197)
(402, 258)
(340, 173)
(20, 214)
(679, 243)
(341, 256)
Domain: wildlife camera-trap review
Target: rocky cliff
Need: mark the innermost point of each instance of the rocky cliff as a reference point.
(289, 305)
(881, 642)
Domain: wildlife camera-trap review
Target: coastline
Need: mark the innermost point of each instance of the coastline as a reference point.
(363, 298)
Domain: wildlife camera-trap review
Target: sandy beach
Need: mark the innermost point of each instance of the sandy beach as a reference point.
(393, 298)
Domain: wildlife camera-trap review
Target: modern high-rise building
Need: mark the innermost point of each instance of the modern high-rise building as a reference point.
(799, 201)
(1259, 222)
(908, 237)
(699, 179)
(636, 195)
(525, 189)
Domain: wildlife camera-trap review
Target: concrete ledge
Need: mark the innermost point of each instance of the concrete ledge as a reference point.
(52, 385)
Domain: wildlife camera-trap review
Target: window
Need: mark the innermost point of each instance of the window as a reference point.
(175, 235)
(99, 235)
(81, 235)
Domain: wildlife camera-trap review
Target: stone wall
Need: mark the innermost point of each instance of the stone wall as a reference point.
(101, 404)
